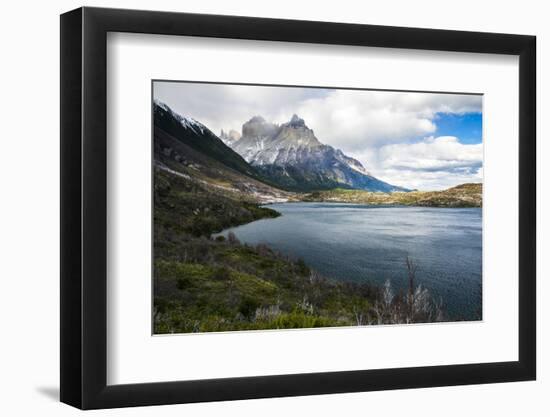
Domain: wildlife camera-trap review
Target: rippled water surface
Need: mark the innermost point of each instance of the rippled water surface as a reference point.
(371, 243)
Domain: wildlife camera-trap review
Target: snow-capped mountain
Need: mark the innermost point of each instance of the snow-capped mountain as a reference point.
(291, 156)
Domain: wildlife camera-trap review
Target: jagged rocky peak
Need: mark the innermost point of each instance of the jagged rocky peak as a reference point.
(296, 133)
(291, 155)
(257, 119)
(296, 121)
(259, 127)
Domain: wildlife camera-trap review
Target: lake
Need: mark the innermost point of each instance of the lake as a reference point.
(370, 244)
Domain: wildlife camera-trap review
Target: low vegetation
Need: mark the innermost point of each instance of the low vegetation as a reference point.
(184, 206)
(465, 195)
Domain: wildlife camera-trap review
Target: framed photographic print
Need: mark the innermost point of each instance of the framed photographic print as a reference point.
(256, 208)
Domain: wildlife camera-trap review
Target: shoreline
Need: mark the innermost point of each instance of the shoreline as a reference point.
(461, 196)
(244, 236)
(378, 205)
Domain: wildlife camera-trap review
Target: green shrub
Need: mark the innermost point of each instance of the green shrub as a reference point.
(222, 273)
(248, 307)
(303, 269)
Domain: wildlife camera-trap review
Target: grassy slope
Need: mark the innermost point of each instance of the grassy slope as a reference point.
(465, 195)
(188, 207)
(201, 284)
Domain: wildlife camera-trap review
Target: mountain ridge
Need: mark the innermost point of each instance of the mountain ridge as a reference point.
(187, 149)
(197, 136)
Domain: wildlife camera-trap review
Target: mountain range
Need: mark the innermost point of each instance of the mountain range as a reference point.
(287, 156)
(291, 156)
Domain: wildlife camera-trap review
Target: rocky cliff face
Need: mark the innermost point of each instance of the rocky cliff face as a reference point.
(291, 156)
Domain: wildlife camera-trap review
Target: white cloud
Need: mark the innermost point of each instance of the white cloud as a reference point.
(432, 163)
(427, 181)
(223, 106)
(444, 153)
(355, 120)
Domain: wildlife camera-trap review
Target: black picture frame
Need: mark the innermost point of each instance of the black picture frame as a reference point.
(84, 207)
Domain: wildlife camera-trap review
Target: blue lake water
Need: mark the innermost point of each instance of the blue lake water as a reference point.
(370, 243)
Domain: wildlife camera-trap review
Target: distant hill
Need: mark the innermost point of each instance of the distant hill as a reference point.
(291, 156)
(465, 195)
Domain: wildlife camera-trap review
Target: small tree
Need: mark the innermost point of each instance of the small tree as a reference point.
(411, 272)
(415, 306)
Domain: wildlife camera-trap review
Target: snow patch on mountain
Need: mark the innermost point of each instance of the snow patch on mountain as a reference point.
(185, 121)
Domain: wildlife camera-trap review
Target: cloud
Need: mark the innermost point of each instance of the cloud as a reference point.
(432, 163)
(224, 106)
(382, 129)
(354, 120)
(348, 119)
(427, 181)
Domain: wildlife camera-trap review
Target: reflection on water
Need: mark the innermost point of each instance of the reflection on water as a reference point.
(370, 243)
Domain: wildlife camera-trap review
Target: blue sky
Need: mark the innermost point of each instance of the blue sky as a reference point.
(467, 127)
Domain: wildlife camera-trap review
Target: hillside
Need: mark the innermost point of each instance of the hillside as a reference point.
(198, 137)
(183, 153)
(465, 195)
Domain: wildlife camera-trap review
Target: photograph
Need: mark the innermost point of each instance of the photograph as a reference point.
(289, 207)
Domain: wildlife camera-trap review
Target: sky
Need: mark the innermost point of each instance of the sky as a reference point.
(424, 141)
